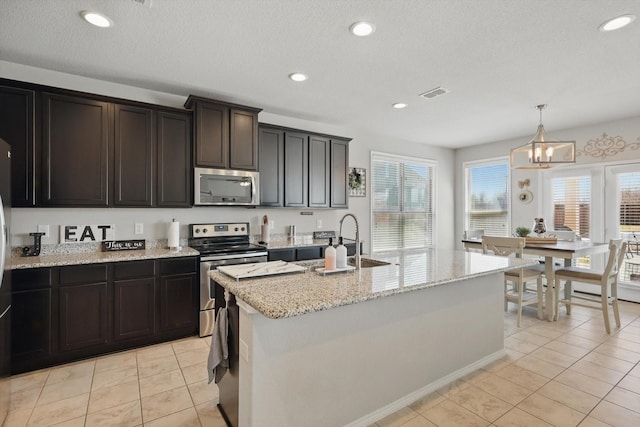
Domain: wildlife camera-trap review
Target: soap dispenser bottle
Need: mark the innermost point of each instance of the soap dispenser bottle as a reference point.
(330, 257)
(341, 254)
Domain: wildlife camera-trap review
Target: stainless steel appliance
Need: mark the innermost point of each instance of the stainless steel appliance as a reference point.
(5, 278)
(226, 187)
(220, 244)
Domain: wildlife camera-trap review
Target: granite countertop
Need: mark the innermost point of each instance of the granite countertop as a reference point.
(300, 293)
(59, 259)
(301, 242)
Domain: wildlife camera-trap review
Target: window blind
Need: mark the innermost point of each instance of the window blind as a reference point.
(629, 196)
(487, 201)
(402, 203)
(572, 204)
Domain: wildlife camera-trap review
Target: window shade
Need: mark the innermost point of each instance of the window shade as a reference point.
(402, 203)
(572, 204)
(629, 188)
(487, 203)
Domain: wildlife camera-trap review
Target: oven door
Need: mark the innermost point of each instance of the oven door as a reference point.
(207, 288)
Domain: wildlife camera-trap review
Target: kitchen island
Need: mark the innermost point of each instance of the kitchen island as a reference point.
(350, 348)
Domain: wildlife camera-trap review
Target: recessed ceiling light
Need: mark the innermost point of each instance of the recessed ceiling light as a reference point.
(298, 77)
(399, 105)
(97, 19)
(617, 23)
(362, 28)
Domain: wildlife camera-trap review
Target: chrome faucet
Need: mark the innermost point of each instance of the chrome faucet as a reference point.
(357, 237)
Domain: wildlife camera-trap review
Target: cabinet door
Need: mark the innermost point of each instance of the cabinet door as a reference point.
(339, 174)
(133, 141)
(83, 316)
(31, 333)
(174, 160)
(319, 168)
(134, 308)
(296, 169)
(179, 302)
(75, 151)
(243, 140)
(212, 135)
(312, 252)
(271, 166)
(17, 111)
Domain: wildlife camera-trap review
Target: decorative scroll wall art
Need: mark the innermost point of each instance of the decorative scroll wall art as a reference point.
(607, 146)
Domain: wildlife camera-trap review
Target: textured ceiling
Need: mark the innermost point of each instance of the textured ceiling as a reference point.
(498, 59)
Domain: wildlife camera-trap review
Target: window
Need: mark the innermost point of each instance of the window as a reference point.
(487, 197)
(402, 202)
(572, 204)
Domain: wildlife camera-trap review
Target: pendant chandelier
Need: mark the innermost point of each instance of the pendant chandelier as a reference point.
(542, 152)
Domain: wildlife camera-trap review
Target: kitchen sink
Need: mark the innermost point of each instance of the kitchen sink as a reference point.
(367, 262)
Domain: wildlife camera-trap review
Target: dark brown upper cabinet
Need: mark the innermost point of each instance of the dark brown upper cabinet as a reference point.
(75, 144)
(302, 169)
(174, 160)
(226, 135)
(339, 174)
(271, 166)
(319, 171)
(17, 128)
(296, 169)
(134, 138)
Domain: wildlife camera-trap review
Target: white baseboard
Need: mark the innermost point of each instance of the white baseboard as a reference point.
(393, 407)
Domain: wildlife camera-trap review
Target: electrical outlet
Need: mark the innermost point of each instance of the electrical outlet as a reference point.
(272, 224)
(318, 223)
(139, 228)
(44, 229)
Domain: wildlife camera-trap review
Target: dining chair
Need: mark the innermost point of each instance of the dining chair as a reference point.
(518, 277)
(606, 279)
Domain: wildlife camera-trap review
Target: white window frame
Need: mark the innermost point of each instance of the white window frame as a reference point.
(434, 192)
(466, 166)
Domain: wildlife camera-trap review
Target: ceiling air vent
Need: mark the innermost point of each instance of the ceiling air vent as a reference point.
(432, 93)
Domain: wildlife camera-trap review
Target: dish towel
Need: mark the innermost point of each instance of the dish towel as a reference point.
(218, 361)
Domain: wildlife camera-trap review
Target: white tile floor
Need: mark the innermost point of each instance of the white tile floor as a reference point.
(564, 373)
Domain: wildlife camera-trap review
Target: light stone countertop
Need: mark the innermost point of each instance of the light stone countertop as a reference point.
(295, 294)
(60, 259)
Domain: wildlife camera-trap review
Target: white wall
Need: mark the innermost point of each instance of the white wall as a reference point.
(25, 220)
(609, 142)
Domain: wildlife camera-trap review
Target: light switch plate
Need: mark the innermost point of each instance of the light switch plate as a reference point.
(139, 228)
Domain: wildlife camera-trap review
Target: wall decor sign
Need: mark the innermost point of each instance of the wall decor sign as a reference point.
(122, 245)
(357, 182)
(86, 233)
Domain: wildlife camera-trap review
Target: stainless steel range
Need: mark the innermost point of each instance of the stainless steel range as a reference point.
(220, 244)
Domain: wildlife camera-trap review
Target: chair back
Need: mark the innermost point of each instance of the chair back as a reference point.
(617, 247)
(503, 246)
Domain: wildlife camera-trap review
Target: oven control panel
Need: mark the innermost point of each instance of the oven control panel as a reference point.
(219, 229)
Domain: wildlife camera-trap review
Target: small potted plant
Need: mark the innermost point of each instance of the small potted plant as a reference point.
(522, 231)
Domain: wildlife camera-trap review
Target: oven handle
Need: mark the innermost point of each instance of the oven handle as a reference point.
(235, 256)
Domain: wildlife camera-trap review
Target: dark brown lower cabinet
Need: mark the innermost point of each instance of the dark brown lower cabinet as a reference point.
(179, 293)
(31, 325)
(61, 314)
(134, 308)
(83, 316)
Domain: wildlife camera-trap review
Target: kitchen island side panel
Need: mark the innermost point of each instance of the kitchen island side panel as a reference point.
(345, 365)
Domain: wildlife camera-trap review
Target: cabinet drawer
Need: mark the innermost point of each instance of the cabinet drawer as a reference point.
(32, 278)
(83, 274)
(178, 266)
(282, 255)
(134, 269)
(308, 253)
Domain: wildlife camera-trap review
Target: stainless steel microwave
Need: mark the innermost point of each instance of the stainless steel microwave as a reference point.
(226, 187)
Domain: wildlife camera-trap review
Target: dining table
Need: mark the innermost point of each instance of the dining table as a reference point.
(561, 249)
